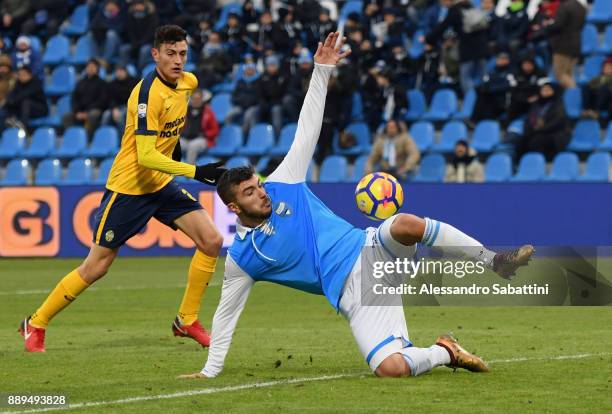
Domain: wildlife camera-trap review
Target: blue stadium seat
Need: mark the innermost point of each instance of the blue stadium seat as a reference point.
(260, 140)
(227, 143)
(49, 172)
(591, 68)
(12, 143)
(601, 12)
(147, 69)
(416, 105)
(586, 136)
(572, 98)
(356, 107)
(225, 11)
(82, 51)
(206, 159)
(362, 135)
(78, 23)
(103, 171)
(221, 104)
(516, 127)
(63, 80)
(35, 43)
(606, 46)
(452, 132)
(443, 105)
(606, 145)
(498, 168)
(532, 167)
(54, 119)
(590, 43)
(416, 46)
(17, 172)
(237, 161)
(358, 168)
(469, 101)
(351, 6)
(423, 134)
(597, 167)
(74, 143)
(57, 50)
(285, 140)
(262, 164)
(43, 143)
(432, 169)
(223, 87)
(486, 136)
(333, 169)
(105, 142)
(79, 172)
(565, 167)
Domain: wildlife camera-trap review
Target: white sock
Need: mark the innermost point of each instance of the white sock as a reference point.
(455, 243)
(422, 360)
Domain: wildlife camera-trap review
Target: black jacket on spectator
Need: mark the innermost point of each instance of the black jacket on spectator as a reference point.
(565, 34)
(525, 85)
(32, 95)
(90, 93)
(492, 93)
(139, 30)
(513, 27)
(549, 136)
(271, 88)
(213, 67)
(245, 94)
(119, 91)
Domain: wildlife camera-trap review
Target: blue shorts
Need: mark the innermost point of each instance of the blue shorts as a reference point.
(121, 216)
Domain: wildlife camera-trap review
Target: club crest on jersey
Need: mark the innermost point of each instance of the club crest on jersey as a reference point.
(142, 110)
(109, 236)
(283, 209)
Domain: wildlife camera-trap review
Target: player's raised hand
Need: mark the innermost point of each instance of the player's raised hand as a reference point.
(329, 52)
(209, 173)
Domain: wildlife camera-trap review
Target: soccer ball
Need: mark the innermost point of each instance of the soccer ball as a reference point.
(379, 195)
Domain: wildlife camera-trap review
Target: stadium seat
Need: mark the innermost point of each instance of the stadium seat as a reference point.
(225, 12)
(35, 43)
(221, 104)
(63, 80)
(74, 143)
(606, 46)
(147, 69)
(333, 169)
(12, 143)
(565, 167)
(57, 50)
(103, 171)
(223, 87)
(79, 172)
(17, 172)
(78, 23)
(206, 159)
(597, 167)
(416, 105)
(601, 12)
(362, 135)
(532, 167)
(260, 140)
(262, 164)
(284, 141)
(572, 98)
(586, 136)
(351, 6)
(49, 172)
(423, 134)
(467, 107)
(431, 169)
(358, 168)
(452, 132)
(516, 127)
(498, 168)
(590, 43)
(82, 51)
(105, 143)
(416, 46)
(591, 68)
(42, 145)
(356, 107)
(443, 105)
(237, 161)
(486, 136)
(55, 118)
(229, 140)
(606, 145)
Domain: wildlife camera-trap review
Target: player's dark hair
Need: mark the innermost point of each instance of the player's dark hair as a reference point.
(230, 179)
(169, 33)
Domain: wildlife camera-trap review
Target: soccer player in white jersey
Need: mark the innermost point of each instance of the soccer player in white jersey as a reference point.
(286, 235)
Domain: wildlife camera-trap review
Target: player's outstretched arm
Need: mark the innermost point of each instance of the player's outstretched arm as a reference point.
(294, 167)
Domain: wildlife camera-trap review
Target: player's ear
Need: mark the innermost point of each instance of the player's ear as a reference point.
(155, 54)
(233, 207)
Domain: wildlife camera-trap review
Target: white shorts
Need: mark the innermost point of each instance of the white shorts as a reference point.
(380, 331)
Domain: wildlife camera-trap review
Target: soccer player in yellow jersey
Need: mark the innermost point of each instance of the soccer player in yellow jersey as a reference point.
(141, 186)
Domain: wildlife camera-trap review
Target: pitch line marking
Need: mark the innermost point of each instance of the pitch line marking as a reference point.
(230, 388)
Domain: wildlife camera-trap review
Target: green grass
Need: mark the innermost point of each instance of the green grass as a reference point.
(115, 342)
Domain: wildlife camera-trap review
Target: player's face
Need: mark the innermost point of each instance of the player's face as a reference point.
(252, 200)
(170, 60)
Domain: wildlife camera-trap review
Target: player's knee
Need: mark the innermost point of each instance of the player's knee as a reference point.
(408, 228)
(210, 244)
(93, 270)
(393, 366)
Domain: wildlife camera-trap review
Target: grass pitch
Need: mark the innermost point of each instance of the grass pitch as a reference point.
(115, 343)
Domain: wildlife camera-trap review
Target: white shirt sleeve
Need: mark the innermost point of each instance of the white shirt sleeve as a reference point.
(295, 165)
(234, 293)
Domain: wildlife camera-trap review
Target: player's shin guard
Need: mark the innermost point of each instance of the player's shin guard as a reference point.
(455, 243)
(64, 293)
(200, 272)
(422, 360)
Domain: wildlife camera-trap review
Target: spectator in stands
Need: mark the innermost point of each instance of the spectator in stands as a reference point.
(14, 13)
(4, 48)
(249, 13)
(297, 86)
(233, 35)
(492, 92)
(201, 128)
(215, 62)
(389, 31)
(547, 128)
(25, 55)
(141, 21)
(565, 36)
(537, 34)
(269, 35)
(597, 94)
(471, 26)
(6, 79)
(245, 98)
(382, 99)
(271, 87)
(26, 101)
(513, 27)
(495, 24)
(318, 29)
(192, 12)
(524, 90)
(45, 17)
(464, 166)
(290, 30)
(106, 28)
(89, 99)
(394, 151)
(119, 90)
